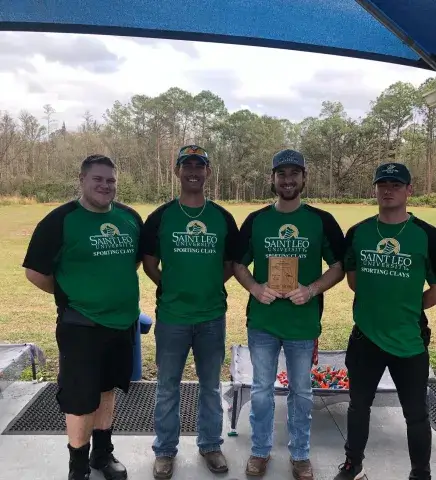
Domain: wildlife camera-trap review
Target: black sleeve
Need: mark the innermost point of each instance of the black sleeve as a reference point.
(245, 246)
(150, 232)
(334, 241)
(232, 236)
(46, 241)
(140, 224)
(350, 256)
(430, 231)
(231, 247)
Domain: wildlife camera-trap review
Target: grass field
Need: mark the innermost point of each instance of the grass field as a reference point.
(28, 315)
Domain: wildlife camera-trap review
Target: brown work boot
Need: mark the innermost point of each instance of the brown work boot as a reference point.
(302, 470)
(163, 467)
(215, 461)
(256, 466)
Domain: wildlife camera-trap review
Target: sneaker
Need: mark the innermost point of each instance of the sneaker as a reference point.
(348, 471)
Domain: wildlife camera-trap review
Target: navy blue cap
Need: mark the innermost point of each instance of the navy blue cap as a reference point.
(288, 157)
(395, 172)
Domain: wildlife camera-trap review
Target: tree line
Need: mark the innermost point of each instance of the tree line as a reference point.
(144, 135)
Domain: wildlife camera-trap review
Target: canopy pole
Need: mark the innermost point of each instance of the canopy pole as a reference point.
(387, 22)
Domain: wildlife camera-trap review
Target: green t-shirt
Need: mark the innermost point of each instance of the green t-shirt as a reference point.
(311, 235)
(192, 252)
(93, 258)
(391, 270)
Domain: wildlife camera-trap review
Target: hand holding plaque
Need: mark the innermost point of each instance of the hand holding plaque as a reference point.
(283, 274)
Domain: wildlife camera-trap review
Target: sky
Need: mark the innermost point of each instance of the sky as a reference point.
(76, 73)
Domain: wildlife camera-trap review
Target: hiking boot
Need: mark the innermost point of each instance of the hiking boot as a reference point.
(302, 469)
(215, 461)
(163, 467)
(348, 471)
(101, 458)
(79, 463)
(108, 465)
(256, 466)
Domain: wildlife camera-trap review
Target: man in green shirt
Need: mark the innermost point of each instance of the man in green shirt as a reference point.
(86, 253)
(389, 258)
(195, 241)
(286, 228)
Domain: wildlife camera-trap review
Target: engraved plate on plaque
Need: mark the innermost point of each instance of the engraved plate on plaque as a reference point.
(283, 274)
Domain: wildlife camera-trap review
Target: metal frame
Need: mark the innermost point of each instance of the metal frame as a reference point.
(396, 30)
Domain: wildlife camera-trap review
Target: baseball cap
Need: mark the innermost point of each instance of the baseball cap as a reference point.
(396, 172)
(189, 151)
(288, 157)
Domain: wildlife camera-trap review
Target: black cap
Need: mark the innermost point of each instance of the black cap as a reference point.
(288, 157)
(396, 172)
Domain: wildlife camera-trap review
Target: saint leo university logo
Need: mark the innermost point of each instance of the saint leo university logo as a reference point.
(196, 228)
(388, 246)
(195, 235)
(109, 230)
(288, 240)
(390, 169)
(386, 256)
(111, 241)
(288, 231)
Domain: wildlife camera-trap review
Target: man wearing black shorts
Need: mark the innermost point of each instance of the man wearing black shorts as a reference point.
(389, 258)
(85, 253)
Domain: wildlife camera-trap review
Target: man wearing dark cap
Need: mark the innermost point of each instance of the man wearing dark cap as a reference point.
(291, 320)
(195, 241)
(389, 257)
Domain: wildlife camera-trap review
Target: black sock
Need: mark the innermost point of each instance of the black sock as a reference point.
(79, 458)
(102, 440)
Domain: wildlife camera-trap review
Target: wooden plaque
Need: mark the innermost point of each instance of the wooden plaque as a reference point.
(283, 274)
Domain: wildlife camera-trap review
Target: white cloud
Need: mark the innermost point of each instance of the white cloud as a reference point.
(271, 81)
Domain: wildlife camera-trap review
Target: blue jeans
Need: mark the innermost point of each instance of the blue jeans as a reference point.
(173, 342)
(264, 351)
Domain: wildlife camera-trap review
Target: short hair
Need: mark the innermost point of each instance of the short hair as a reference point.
(96, 160)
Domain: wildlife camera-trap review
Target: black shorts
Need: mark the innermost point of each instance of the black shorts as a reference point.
(92, 360)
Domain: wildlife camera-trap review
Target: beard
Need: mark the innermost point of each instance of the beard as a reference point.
(290, 194)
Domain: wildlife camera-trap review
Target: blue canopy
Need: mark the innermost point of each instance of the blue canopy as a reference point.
(395, 31)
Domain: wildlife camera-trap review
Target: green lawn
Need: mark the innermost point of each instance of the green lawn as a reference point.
(28, 315)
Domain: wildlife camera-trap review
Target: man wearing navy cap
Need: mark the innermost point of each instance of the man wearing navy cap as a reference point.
(286, 228)
(389, 258)
(195, 241)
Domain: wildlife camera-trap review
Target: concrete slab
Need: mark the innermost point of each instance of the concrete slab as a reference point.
(45, 457)
(387, 453)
